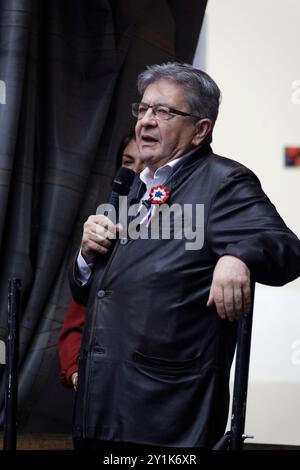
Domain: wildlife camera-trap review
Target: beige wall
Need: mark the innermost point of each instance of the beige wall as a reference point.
(253, 52)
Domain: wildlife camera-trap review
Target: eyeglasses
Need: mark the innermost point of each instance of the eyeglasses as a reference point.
(160, 112)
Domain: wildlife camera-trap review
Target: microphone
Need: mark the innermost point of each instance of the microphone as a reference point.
(121, 185)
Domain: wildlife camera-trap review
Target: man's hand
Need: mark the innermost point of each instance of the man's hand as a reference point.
(98, 230)
(230, 288)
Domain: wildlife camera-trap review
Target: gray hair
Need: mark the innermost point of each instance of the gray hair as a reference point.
(202, 93)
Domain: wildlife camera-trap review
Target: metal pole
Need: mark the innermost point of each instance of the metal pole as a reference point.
(12, 349)
(241, 380)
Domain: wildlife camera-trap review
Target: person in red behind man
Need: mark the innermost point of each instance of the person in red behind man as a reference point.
(71, 333)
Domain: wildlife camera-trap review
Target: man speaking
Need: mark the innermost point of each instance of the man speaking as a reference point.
(161, 322)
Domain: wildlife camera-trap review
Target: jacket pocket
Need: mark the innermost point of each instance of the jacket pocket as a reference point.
(166, 364)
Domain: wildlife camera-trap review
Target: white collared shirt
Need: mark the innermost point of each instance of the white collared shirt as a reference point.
(160, 176)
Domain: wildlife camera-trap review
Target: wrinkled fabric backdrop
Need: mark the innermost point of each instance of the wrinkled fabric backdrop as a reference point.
(70, 69)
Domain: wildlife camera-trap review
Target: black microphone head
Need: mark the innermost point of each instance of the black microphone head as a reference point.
(123, 180)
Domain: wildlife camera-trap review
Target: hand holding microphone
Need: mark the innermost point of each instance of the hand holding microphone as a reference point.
(99, 230)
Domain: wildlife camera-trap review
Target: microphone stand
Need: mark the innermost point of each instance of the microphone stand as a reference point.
(12, 349)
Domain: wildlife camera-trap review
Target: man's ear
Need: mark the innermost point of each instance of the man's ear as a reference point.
(202, 128)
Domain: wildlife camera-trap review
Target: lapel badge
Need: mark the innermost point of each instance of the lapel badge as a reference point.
(159, 194)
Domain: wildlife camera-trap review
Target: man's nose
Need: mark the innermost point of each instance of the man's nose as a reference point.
(148, 119)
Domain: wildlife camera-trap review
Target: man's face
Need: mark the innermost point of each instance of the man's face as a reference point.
(162, 141)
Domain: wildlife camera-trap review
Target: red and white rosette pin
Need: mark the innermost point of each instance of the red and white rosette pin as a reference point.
(159, 194)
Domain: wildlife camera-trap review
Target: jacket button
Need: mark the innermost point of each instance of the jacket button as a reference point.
(100, 294)
(123, 241)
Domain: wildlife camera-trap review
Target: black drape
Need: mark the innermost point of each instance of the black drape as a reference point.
(70, 70)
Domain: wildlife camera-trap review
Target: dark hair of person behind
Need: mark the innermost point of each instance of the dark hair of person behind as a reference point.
(125, 141)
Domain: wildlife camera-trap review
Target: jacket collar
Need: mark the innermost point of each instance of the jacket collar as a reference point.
(187, 165)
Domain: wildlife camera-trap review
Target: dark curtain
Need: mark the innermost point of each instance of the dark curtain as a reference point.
(70, 70)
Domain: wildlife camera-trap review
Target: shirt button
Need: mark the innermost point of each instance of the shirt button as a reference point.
(100, 294)
(123, 241)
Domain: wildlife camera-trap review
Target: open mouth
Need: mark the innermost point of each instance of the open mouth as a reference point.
(148, 139)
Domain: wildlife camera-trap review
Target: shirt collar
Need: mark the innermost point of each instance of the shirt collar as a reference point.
(163, 172)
